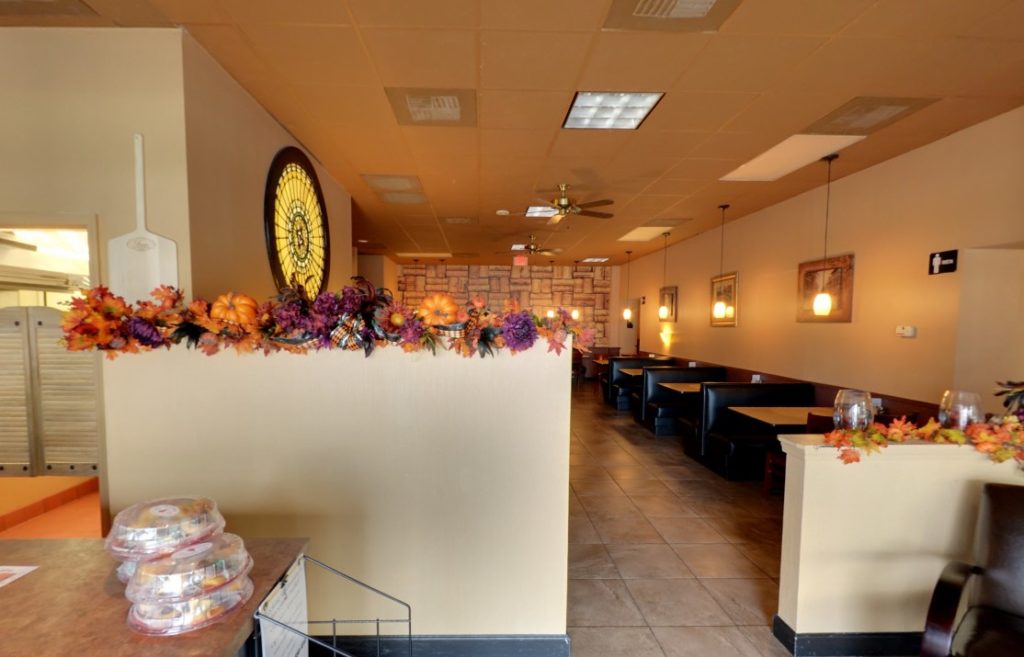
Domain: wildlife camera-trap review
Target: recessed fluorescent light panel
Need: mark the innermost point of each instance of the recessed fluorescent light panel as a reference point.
(460, 221)
(541, 211)
(610, 110)
(643, 234)
(669, 15)
(788, 156)
(594, 260)
(518, 247)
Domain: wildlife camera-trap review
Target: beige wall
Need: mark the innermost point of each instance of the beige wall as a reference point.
(72, 100)
(380, 270)
(989, 346)
(453, 497)
(862, 550)
(231, 142)
(961, 192)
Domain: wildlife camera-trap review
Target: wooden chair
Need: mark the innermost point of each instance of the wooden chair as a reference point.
(993, 623)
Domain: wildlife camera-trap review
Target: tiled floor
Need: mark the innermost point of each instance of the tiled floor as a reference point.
(666, 559)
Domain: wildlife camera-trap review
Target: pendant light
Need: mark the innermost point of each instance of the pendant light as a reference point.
(822, 305)
(663, 309)
(720, 310)
(575, 314)
(627, 312)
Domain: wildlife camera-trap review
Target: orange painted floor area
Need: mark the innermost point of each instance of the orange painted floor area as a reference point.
(76, 519)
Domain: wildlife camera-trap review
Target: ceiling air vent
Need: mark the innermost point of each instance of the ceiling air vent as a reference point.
(866, 114)
(669, 15)
(673, 8)
(435, 107)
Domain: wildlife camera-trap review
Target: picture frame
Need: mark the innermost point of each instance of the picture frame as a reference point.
(835, 276)
(724, 288)
(667, 296)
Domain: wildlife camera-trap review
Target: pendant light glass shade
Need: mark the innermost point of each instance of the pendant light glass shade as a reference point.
(663, 309)
(575, 314)
(822, 304)
(627, 313)
(721, 310)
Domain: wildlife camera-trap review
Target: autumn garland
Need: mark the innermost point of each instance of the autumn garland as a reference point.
(359, 317)
(1002, 438)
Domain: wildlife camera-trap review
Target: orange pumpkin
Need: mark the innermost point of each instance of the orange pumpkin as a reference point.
(234, 308)
(438, 310)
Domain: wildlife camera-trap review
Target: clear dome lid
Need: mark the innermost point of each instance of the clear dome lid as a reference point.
(168, 618)
(197, 569)
(155, 528)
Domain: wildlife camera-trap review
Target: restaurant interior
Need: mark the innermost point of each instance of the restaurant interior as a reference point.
(757, 228)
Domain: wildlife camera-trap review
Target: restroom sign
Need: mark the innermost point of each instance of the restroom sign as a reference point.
(943, 262)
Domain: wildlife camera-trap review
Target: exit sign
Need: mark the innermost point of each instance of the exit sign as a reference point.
(942, 262)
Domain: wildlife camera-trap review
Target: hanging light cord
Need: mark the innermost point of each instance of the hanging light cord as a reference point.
(721, 248)
(828, 198)
(664, 267)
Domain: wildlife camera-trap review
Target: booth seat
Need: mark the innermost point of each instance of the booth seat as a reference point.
(728, 443)
(617, 386)
(657, 408)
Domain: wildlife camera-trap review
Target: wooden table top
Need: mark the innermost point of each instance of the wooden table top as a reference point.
(601, 360)
(782, 415)
(682, 387)
(73, 603)
(632, 371)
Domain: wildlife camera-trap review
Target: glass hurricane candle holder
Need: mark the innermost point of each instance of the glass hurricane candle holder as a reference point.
(852, 410)
(959, 408)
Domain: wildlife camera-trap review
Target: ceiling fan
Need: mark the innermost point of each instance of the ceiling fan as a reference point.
(532, 248)
(567, 206)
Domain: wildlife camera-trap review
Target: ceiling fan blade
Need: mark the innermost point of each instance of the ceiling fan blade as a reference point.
(599, 215)
(549, 252)
(595, 204)
(555, 219)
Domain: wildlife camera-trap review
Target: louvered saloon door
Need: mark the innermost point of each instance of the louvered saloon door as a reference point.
(55, 401)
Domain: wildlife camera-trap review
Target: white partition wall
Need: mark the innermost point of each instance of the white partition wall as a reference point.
(441, 480)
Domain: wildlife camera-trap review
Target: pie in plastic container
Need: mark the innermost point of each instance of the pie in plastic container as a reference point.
(197, 569)
(152, 529)
(169, 618)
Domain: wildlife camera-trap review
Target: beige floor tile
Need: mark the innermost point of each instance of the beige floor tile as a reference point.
(686, 530)
(589, 561)
(761, 637)
(602, 603)
(676, 603)
(605, 486)
(592, 472)
(626, 529)
(717, 560)
(647, 561)
(747, 601)
(662, 506)
(581, 530)
(767, 556)
(684, 472)
(614, 642)
(704, 642)
(608, 507)
(714, 508)
(748, 530)
(643, 487)
(629, 472)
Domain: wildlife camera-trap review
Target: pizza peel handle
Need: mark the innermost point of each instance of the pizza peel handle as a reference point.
(140, 261)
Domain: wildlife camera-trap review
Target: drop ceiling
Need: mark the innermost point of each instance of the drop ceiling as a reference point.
(498, 76)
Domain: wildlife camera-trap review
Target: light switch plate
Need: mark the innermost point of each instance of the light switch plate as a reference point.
(906, 331)
(755, 378)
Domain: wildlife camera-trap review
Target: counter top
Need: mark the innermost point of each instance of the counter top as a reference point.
(73, 603)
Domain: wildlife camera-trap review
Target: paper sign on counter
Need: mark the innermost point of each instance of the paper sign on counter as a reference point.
(10, 573)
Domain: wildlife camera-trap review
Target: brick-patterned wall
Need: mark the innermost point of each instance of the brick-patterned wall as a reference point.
(537, 288)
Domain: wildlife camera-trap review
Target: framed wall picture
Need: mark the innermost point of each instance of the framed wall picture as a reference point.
(667, 297)
(832, 275)
(725, 303)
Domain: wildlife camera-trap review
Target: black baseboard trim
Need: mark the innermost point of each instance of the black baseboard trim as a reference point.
(476, 645)
(848, 644)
